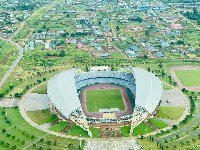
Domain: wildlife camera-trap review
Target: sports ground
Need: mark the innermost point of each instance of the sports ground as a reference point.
(105, 96)
(187, 77)
(104, 99)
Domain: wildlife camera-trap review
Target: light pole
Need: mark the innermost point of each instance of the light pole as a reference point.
(80, 141)
(146, 131)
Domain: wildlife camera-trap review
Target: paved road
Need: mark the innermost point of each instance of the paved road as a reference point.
(14, 64)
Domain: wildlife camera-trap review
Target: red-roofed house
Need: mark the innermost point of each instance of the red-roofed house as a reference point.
(67, 41)
(176, 26)
(79, 45)
(61, 47)
(110, 34)
(105, 34)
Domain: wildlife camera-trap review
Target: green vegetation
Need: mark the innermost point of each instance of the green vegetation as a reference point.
(77, 131)
(95, 132)
(39, 116)
(166, 87)
(142, 128)
(117, 55)
(41, 89)
(188, 77)
(147, 144)
(104, 99)
(17, 132)
(125, 130)
(158, 123)
(173, 113)
(59, 127)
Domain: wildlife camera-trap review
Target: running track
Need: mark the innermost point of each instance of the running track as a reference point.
(191, 88)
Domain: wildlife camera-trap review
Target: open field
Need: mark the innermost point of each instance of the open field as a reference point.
(41, 89)
(142, 128)
(104, 99)
(173, 113)
(77, 131)
(188, 77)
(43, 116)
(59, 127)
(158, 123)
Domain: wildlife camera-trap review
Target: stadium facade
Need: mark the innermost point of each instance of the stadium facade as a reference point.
(64, 92)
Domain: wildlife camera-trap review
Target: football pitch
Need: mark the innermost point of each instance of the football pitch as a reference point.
(104, 99)
(188, 77)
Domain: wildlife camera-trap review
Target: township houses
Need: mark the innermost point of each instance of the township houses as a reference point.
(176, 26)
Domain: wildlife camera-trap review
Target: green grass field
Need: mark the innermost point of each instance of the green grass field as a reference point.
(77, 131)
(166, 87)
(125, 130)
(41, 89)
(158, 123)
(95, 132)
(140, 129)
(104, 99)
(173, 113)
(117, 55)
(188, 77)
(59, 127)
(41, 116)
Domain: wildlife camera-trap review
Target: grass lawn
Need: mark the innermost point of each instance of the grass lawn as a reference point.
(173, 113)
(147, 144)
(166, 87)
(158, 123)
(41, 116)
(104, 99)
(125, 130)
(95, 132)
(188, 77)
(140, 129)
(41, 89)
(59, 127)
(117, 55)
(77, 131)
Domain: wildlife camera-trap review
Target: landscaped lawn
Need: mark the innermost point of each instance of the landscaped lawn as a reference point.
(188, 77)
(77, 131)
(166, 87)
(173, 113)
(41, 116)
(158, 123)
(117, 55)
(147, 144)
(140, 129)
(95, 132)
(41, 89)
(104, 99)
(125, 130)
(59, 127)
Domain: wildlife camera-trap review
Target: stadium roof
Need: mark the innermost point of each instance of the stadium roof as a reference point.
(148, 89)
(62, 91)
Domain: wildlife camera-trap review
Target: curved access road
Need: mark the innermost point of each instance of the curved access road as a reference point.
(14, 64)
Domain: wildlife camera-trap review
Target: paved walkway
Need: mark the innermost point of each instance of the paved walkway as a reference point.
(43, 128)
(183, 129)
(14, 64)
(7, 102)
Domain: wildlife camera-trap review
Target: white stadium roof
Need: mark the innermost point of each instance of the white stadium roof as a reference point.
(62, 91)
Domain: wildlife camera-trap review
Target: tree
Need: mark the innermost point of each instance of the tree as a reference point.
(62, 53)
(13, 137)
(3, 130)
(174, 126)
(149, 69)
(147, 33)
(14, 147)
(117, 28)
(44, 26)
(145, 56)
(1, 95)
(179, 42)
(41, 140)
(48, 142)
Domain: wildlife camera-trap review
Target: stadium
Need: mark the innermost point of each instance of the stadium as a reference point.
(103, 98)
